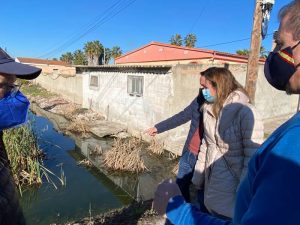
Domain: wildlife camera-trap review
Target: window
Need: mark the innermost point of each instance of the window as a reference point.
(55, 71)
(94, 81)
(135, 85)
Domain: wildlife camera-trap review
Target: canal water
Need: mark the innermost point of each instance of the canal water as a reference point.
(87, 191)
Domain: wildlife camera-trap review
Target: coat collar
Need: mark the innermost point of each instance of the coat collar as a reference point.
(232, 105)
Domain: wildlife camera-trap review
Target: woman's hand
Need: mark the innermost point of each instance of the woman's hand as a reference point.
(151, 131)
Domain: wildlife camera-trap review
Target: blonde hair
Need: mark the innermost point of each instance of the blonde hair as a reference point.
(224, 83)
(292, 10)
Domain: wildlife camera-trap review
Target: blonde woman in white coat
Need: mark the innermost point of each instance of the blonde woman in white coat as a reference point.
(233, 131)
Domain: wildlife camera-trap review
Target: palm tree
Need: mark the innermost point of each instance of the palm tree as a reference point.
(176, 40)
(244, 52)
(93, 51)
(107, 56)
(79, 58)
(116, 52)
(67, 57)
(88, 49)
(263, 53)
(190, 40)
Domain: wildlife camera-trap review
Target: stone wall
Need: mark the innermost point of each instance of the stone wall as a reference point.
(70, 87)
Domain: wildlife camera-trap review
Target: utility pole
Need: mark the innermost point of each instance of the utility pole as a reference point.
(252, 68)
(104, 56)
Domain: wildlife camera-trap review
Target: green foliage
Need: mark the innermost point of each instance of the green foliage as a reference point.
(116, 52)
(67, 57)
(93, 51)
(263, 52)
(190, 40)
(79, 58)
(176, 40)
(35, 90)
(24, 155)
(244, 52)
(107, 55)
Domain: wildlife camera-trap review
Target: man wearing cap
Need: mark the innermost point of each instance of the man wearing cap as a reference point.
(13, 111)
(270, 193)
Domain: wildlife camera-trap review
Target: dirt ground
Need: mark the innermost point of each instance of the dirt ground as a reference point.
(134, 214)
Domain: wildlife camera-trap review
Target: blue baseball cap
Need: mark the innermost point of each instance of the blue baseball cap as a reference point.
(9, 66)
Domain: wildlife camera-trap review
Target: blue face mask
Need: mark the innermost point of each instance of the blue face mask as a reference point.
(13, 110)
(207, 96)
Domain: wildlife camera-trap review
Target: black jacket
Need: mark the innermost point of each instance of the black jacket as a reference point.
(10, 210)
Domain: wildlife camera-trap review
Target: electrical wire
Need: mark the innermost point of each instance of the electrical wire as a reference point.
(229, 42)
(111, 12)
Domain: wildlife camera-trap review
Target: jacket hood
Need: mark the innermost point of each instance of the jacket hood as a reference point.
(237, 96)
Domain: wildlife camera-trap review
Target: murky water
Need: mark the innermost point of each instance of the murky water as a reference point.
(88, 191)
(85, 190)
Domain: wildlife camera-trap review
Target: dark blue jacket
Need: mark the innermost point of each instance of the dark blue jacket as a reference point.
(269, 194)
(191, 112)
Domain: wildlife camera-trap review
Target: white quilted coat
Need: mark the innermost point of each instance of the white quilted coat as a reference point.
(229, 142)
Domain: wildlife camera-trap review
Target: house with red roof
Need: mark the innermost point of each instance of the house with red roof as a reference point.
(160, 53)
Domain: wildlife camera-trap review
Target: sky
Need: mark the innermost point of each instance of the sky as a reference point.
(49, 28)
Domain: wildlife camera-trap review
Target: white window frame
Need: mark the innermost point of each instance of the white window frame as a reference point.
(92, 85)
(135, 85)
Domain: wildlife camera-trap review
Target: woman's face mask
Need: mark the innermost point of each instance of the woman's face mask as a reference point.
(13, 110)
(280, 66)
(207, 95)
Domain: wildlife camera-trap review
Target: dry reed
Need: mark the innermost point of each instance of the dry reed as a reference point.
(125, 155)
(175, 169)
(79, 125)
(24, 155)
(156, 147)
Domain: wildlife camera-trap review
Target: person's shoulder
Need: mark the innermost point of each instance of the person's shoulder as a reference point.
(249, 110)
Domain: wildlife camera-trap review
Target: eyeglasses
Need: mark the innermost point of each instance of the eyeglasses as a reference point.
(12, 88)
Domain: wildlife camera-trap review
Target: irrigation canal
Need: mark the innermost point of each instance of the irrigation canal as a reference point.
(86, 191)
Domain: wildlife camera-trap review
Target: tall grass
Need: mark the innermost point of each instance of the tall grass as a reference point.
(25, 156)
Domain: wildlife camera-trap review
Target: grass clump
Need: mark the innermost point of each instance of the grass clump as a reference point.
(125, 155)
(24, 155)
(156, 147)
(35, 90)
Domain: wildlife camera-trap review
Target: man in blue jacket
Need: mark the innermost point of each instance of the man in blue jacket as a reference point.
(13, 111)
(192, 145)
(270, 193)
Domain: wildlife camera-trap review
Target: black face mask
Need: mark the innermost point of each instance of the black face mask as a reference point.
(280, 66)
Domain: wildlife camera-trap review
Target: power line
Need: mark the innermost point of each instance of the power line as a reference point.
(198, 18)
(229, 42)
(85, 27)
(111, 12)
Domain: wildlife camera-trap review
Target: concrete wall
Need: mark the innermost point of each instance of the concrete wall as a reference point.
(168, 93)
(70, 87)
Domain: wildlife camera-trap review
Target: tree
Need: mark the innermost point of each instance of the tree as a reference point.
(93, 51)
(107, 56)
(190, 40)
(244, 52)
(263, 53)
(176, 40)
(116, 52)
(79, 58)
(67, 57)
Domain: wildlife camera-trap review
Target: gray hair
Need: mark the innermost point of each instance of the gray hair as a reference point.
(292, 10)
